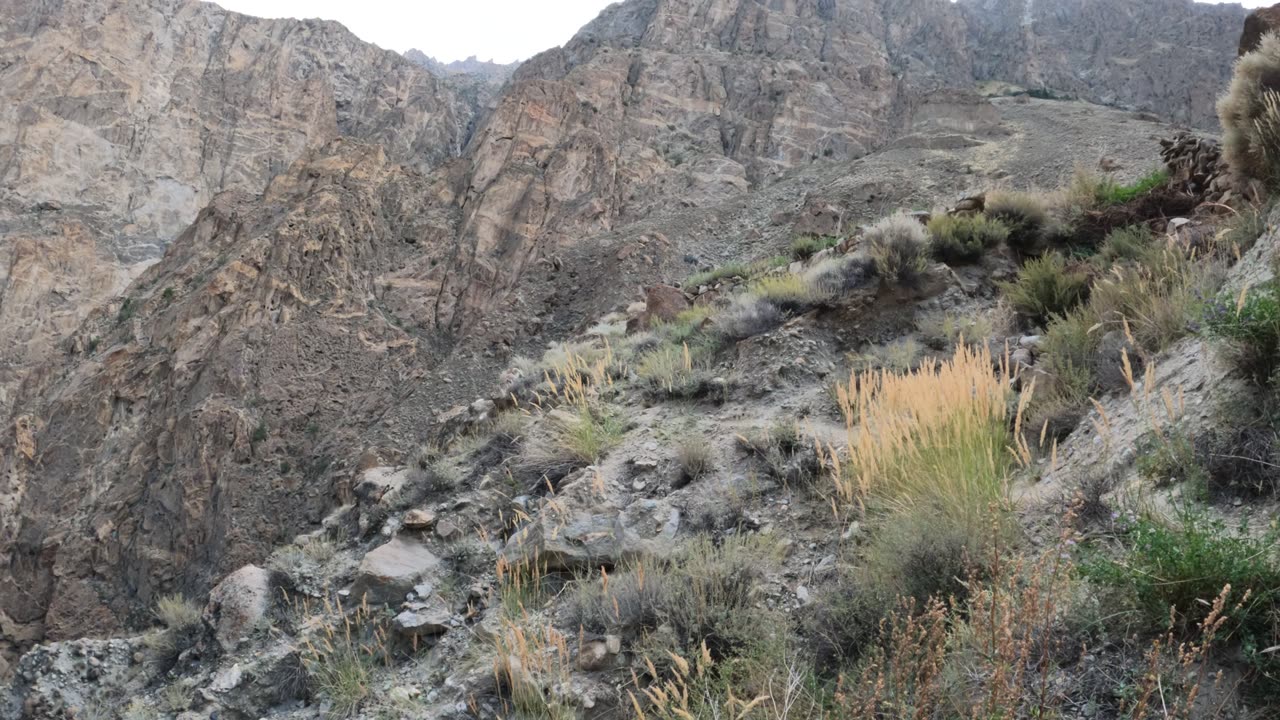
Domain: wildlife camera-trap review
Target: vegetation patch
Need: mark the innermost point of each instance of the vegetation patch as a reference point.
(958, 239)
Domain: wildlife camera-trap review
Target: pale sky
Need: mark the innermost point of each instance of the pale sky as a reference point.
(500, 30)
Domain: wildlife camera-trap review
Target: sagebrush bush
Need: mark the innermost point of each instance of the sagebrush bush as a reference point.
(1249, 325)
(748, 315)
(965, 238)
(1045, 287)
(836, 276)
(1250, 115)
(899, 245)
(1024, 215)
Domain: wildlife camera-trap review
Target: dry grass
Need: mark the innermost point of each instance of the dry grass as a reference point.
(531, 659)
(943, 330)
(340, 658)
(899, 245)
(747, 316)
(1250, 114)
(178, 613)
(788, 292)
(936, 434)
(694, 457)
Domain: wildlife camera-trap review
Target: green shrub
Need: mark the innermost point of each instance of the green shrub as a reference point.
(1111, 194)
(1046, 287)
(673, 371)
(1250, 115)
(1126, 244)
(965, 238)
(128, 308)
(899, 245)
(1024, 215)
(724, 272)
(1171, 459)
(806, 246)
(1250, 327)
(1184, 565)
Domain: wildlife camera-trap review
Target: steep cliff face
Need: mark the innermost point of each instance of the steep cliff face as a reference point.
(1170, 57)
(686, 101)
(192, 427)
(119, 121)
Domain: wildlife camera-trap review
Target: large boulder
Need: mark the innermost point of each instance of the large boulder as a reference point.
(388, 573)
(1259, 23)
(238, 604)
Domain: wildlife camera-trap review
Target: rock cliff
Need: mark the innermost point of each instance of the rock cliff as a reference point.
(1170, 57)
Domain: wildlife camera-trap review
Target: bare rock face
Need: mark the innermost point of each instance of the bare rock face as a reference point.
(1170, 57)
(120, 120)
(1259, 23)
(185, 432)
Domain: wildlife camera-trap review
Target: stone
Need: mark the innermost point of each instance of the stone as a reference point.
(572, 538)
(594, 656)
(421, 619)
(613, 643)
(1259, 22)
(448, 529)
(389, 572)
(419, 519)
(238, 604)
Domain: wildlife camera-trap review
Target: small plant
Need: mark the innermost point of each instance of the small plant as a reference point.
(899, 245)
(128, 308)
(1245, 227)
(593, 432)
(790, 293)
(748, 316)
(806, 246)
(1250, 326)
(260, 433)
(965, 238)
(178, 613)
(341, 658)
(694, 457)
(836, 276)
(1126, 244)
(724, 272)
(1250, 115)
(1170, 459)
(1111, 194)
(1024, 215)
(1047, 287)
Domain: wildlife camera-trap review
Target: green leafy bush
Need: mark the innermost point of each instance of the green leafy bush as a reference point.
(899, 245)
(1250, 326)
(964, 238)
(1025, 215)
(1046, 287)
(1112, 194)
(1185, 564)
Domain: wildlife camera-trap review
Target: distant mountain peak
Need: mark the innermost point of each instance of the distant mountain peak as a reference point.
(486, 70)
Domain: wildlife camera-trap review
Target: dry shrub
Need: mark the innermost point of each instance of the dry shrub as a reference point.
(834, 277)
(789, 292)
(694, 457)
(1024, 215)
(899, 245)
(748, 316)
(1250, 114)
(341, 657)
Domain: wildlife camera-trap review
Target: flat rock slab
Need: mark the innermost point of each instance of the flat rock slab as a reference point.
(388, 573)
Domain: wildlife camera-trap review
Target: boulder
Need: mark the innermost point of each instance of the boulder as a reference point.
(662, 303)
(238, 604)
(419, 519)
(1259, 23)
(585, 538)
(389, 572)
(423, 618)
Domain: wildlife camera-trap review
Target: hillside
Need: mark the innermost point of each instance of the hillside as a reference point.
(273, 323)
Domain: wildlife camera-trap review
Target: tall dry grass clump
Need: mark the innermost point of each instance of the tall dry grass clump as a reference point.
(899, 245)
(1250, 114)
(935, 434)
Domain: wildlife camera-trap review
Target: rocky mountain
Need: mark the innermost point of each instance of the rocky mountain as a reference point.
(487, 71)
(1170, 57)
(121, 121)
(277, 255)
